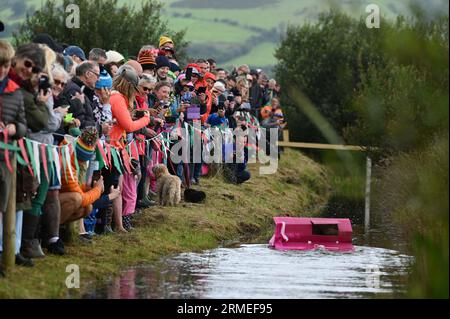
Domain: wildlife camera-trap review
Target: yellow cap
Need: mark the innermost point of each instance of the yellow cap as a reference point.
(163, 40)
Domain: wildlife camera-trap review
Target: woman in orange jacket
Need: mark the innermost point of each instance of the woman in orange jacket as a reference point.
(125, 88)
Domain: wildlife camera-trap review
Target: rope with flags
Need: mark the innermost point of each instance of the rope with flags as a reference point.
(38, 156)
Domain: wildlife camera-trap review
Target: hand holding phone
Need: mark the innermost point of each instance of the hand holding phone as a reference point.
(188, 74)
(114, 192)
(201, 90)
(62, 110)
(44, 95)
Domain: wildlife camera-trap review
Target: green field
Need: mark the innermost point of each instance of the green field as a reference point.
(238, 22)
(261, 55)
(209, 32)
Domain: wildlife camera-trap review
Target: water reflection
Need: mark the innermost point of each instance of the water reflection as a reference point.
(254, 271)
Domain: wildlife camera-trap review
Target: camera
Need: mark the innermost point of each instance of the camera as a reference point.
(221, 100)
(170, 119)
(163, 104)
(188, 74)
(186, 98)
(44, 83)
(137, 114)
(201, 90)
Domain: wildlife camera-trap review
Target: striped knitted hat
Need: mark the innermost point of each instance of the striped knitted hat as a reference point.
(104, 80)
(86, 143)
(147, 59)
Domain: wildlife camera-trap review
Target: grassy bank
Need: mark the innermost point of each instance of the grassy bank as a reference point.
(419, 205)
(230, 212)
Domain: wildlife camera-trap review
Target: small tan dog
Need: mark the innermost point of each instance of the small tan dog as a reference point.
(168, 186)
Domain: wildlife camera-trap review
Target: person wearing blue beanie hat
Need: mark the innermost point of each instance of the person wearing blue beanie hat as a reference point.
(101, 107)
(104, 80)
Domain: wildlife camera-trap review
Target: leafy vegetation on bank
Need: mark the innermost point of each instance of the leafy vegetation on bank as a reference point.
(386, 89)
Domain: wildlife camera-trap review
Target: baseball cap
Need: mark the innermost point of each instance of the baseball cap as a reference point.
(74, 50)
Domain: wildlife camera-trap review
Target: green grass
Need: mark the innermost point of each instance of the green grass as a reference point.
(287, 11)
(208, 31)
(231, 212)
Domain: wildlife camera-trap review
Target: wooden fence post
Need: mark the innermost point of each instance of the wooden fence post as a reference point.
(367, 202)
(9, 226)
(285, 135)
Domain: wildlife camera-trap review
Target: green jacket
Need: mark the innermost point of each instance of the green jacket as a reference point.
(36, 112)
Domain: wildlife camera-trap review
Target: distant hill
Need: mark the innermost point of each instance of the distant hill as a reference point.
(237, 31)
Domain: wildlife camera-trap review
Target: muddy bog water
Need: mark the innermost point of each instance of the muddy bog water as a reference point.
(255, 271)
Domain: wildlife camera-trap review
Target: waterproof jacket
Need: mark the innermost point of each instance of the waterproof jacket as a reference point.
(12, 110)
(124, 122)
(36, 112)
(80, 111)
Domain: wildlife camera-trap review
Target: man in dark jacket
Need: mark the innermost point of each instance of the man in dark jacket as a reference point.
(79, 91)
(256, 92)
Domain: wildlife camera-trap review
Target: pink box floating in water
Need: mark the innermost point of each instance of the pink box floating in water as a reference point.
(303, 233)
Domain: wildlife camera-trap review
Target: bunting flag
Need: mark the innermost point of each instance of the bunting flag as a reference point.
(116, 160)
(99, 157)
(30, 153)
(178, 126)
(57, 163)
(29, 147)
(135, 147)
(25, 156)
(108, 153)
(49, 151)
(120, 159)
(102, 153)
(62, 156)
(164, 151)
(36, 160)
(128, 148)
(148, 152)
(72, 150)
(66, 151)
(44, 161)
(126, 161)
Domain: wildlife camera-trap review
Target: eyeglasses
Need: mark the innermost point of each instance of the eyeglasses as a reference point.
(146, 89)
(59, 83)
(96, 74)
(34, 69)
